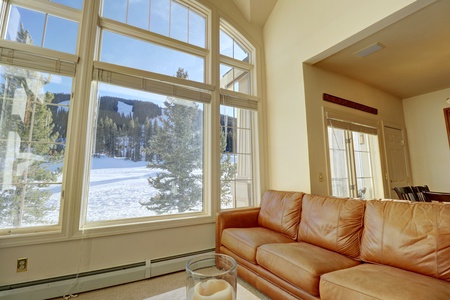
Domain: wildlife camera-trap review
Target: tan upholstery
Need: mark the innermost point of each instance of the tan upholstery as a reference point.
(414, 236)
(280, 211)
(304, 260)
(332, 223)
(245, 241)
(235, 218)
(371, 281)
(346, 249)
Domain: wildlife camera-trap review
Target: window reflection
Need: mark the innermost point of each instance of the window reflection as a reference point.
(33, 131)
(231, 48)
(42, 30)
(236, 167)
(234, 79)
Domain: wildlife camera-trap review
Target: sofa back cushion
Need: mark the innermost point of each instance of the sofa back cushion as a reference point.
(413, 236)
(280, 211)
(332, 223)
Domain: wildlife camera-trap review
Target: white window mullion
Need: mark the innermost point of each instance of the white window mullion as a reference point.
(145, 35)
(236, 63)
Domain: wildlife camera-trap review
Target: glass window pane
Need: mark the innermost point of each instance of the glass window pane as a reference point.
(61, 35)
(42, 30)
(234, 79)
(160, 16)
(115, 10)
(179, 22)
(231, 48)
(197, 29)
(363, 165)
(148, 156)
(138, 14)
(78, 4)
(33, 133)
(236, 165)
(226, 44)
(340, 181)
(149, 57)
(165, 17)
(23, 20)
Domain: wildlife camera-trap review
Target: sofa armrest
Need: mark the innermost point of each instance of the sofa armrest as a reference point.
(235, 218)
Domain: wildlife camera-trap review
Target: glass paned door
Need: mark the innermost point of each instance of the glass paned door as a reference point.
(354, 163)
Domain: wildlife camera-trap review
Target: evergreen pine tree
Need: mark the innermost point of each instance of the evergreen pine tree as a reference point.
(178, 145)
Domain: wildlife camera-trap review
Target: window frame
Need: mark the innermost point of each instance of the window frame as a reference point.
(80, 135)
(371, 124)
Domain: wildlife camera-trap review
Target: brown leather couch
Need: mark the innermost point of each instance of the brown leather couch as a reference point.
(303, 246)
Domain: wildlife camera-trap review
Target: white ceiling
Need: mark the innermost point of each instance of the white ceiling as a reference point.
(415, 60)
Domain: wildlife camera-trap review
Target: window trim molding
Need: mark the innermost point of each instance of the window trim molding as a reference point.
(148, 36)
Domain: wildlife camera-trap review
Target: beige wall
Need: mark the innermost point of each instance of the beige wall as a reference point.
(427, 137)
(317, 82)
(298, 31)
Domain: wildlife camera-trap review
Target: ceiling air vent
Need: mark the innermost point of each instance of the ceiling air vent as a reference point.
(369, 50)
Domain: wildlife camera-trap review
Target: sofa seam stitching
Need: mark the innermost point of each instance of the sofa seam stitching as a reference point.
(436, 242)
(337, 229)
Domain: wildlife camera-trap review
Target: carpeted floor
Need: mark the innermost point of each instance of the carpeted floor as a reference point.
(167, 287)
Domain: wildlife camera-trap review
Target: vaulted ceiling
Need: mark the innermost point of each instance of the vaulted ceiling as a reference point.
(414, 58)
(256, 11)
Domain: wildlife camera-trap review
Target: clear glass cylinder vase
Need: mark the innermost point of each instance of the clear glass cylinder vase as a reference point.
(211, 277)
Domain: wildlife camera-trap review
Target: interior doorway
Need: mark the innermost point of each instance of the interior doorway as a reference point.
(397, 159)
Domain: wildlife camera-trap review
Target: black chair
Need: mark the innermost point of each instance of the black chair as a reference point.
(437, 196)
(419, 189)
(406, 193)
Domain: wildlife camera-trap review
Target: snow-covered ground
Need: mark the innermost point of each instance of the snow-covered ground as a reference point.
(117, 187)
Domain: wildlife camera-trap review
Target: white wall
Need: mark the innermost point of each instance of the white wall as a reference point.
(295, 32)
(427, 136)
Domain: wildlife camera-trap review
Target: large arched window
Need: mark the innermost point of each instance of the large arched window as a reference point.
(107, 115)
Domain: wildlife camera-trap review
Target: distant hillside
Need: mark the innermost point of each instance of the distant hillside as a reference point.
(129, 108)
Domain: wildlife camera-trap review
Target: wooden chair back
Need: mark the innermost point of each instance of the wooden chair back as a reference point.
(419, 189)
(406, 193)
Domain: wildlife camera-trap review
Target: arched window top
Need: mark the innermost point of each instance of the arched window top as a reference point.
(165, 17)
(233, 44)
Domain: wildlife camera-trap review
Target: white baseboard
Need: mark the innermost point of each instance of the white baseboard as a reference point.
(57, 287)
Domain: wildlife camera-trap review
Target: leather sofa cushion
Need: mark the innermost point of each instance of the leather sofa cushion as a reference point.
(244, 241)
(301, 264)
(280, 211)
(370, 281)
(332, 223)
(413, 236)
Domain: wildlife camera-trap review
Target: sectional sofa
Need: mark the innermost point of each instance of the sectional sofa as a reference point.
(304, 246)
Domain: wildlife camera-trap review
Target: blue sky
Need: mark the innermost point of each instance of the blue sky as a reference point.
(181, 23)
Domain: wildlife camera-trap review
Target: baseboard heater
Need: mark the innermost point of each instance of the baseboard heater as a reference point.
(88, 281)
